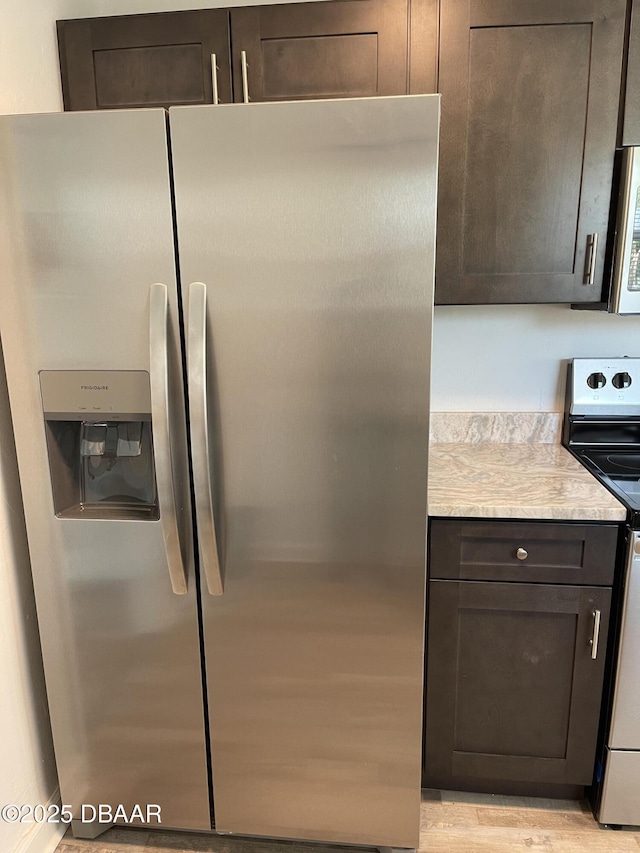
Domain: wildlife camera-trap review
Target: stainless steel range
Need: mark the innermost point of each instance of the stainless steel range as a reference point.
(602, 428)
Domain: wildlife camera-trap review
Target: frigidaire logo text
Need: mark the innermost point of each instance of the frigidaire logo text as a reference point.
(94, 387)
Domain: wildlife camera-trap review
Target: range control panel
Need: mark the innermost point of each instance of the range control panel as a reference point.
(599, 386)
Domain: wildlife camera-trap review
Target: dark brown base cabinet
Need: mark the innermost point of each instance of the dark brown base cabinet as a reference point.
(518, 619)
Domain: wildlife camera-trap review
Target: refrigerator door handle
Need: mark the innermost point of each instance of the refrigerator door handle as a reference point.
(197, 383)
(214, 79)
(245, 76)
(159, 380)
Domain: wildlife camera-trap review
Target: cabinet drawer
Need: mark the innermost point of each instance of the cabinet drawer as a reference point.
(529, 553)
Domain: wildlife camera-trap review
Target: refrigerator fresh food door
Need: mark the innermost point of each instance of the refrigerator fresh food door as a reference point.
(87, 232)
(311, 226)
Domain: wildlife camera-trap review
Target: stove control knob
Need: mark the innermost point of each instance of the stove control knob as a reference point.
(621, 380)
(596, 380)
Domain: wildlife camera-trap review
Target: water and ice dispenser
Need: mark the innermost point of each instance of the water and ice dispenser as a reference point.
(99, 439)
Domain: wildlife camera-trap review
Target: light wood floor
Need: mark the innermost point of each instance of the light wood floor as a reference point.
(451, 822)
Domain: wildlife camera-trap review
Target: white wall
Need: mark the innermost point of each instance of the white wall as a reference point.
(28, 55)
(506, 358)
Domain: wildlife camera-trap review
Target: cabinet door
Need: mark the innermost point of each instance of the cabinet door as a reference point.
(144, 60)
(341, 48)
(513, 692)
(530, 94)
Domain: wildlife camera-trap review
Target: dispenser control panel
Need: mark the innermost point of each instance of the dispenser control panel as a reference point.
(116, 395)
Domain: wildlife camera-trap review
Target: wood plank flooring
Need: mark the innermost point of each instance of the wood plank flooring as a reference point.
(451, 822)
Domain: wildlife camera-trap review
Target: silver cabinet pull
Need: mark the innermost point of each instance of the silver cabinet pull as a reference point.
(590, 259)
(245, 76)
(596, 634)
(159, 380)
(214, 78)
(197, 382)
(521, 554)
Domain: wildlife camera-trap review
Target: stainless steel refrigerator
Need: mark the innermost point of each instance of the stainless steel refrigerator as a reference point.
(227, 307)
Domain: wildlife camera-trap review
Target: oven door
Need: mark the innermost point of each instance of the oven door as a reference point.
(624, 297)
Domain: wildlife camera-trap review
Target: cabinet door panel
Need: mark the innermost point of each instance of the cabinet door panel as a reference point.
(521, 671)
(524, 184)
(512, 690)
(320, 64)
(529, 116)
(144, 60)
(341, 48)
(158, 74)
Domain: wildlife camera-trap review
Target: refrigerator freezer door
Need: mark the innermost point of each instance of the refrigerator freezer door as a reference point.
(86, 230)
(312, 225)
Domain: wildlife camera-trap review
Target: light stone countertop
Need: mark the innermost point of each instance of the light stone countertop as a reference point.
(473, 478)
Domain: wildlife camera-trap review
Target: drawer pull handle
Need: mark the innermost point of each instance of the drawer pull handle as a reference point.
(521, 554)
(596, 634)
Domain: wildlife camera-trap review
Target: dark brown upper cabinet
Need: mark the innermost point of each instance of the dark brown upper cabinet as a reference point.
(530, 94)
(336, 48)
(144, 60)
(343, 48)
